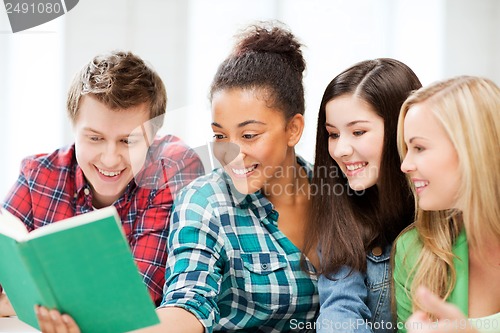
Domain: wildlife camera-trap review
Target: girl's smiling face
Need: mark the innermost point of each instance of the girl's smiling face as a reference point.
(356, 137)
(431, 160)
(259, 142)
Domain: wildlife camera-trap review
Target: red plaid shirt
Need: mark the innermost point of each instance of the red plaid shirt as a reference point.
(52, 187)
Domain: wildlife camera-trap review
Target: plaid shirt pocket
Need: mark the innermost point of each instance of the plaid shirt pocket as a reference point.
(265, 280)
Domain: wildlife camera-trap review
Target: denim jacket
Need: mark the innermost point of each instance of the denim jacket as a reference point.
(360, 302)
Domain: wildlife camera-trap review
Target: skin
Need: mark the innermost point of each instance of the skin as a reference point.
(111, 147)
(247, 133)
(483, 301)
(431, 160)
(356, 135)
(255, 144)
(6, 309)
(258, 146)
(172, 320)
(112, 141)
(450, 318)
(433, 165)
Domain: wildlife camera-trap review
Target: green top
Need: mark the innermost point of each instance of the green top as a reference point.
(408, 247)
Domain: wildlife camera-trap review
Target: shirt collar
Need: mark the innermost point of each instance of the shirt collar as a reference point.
(80, 181)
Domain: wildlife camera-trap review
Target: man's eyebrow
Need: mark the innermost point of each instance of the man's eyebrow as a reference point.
(90, 129)
(133, 134)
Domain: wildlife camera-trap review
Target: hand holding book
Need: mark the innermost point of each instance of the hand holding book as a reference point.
(82, 266)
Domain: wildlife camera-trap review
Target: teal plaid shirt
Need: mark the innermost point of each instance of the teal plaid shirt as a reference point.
(230, 265)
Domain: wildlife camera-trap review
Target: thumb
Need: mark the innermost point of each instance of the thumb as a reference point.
(417, 322)
(418, 317)
(434, 305)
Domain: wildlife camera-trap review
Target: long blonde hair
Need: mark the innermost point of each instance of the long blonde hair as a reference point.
(468, 108)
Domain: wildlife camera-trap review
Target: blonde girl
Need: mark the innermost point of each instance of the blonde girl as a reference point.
(449, 136)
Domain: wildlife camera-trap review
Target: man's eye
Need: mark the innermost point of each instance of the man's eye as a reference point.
(129, 141)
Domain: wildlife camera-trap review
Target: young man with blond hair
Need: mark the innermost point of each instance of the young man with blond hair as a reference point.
(116, 104)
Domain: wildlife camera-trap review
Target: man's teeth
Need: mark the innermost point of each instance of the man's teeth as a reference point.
(352, 167)
(244, 170)
(421, 183)
(109, 173)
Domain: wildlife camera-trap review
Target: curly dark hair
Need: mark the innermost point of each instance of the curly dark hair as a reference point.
(267, 56)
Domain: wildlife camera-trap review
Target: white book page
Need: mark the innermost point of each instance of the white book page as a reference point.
(11, 226)
(74, 221)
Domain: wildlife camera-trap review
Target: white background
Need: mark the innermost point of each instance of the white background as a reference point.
(185, 40)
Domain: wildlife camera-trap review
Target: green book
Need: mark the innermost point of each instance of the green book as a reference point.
(81, 266)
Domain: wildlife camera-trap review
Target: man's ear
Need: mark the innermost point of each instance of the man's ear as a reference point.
(294, 129)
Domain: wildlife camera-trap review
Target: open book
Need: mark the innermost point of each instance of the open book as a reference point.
(81, 266)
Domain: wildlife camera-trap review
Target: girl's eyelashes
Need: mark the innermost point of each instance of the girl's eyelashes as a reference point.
(333, 135)
(358, 133)
(244, 136)
(337, 135)
(218, 136)
(249, 136)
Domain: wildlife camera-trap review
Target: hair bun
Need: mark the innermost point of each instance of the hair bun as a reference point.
(271, 37)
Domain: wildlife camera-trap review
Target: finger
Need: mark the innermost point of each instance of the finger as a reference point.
(57, 322)
(44, 320)
(419, 316)
(418, 322)
(436, 306)
(70, 324)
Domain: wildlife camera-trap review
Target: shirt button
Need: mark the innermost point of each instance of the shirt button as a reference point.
(86, 191)
(377, 251)
(264, 266)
